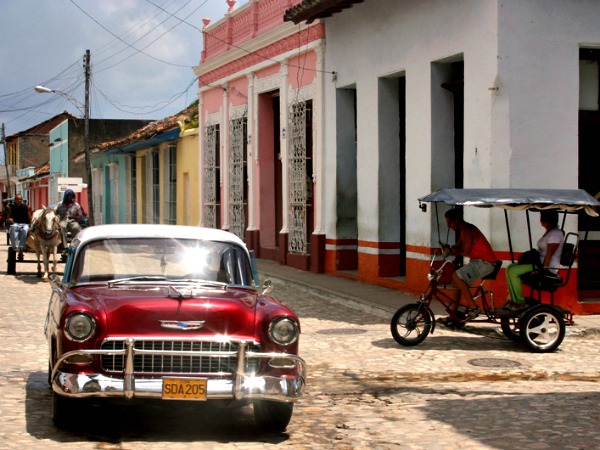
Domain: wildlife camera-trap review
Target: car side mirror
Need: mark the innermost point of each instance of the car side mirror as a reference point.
(267, 287)
(54, 280)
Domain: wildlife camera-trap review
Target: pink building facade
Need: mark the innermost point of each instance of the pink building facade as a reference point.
(261, 144)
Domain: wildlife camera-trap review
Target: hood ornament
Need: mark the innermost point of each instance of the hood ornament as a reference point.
(185, 326)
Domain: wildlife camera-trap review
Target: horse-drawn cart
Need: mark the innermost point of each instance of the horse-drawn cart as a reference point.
(43, 239)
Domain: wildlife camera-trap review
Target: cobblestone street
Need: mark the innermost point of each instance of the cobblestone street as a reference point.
(458, 389)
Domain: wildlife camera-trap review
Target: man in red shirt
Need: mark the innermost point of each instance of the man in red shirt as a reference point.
(482, 260)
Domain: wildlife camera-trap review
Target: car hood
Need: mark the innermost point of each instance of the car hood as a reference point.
(135, 311)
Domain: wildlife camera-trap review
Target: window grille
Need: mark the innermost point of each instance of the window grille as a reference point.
(152, 188)
(212, 191)
(170, 185)
(131, 194)
(237, 176)
(298, 178)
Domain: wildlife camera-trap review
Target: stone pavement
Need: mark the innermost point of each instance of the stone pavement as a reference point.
(476, 352)
(363, 389)
(375, 298)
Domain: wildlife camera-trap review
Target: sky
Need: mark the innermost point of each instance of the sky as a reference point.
(142, 57)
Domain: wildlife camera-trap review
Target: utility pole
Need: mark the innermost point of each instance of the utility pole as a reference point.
(86, 139)
(6, 162)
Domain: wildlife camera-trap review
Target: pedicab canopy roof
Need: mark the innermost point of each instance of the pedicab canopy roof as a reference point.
(518, 199)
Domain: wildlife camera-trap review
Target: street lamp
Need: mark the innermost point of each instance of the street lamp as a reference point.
(86, 128)
(45, 90)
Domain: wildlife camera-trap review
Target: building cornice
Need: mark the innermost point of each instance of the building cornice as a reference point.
(273, 49)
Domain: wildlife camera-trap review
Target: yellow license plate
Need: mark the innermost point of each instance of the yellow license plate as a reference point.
(184, 389)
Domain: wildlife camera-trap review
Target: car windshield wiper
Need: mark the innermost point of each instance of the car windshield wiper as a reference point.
(199, 282)
(196, 285)
(204, 284)
(135, 279)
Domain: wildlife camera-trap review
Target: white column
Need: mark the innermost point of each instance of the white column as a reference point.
(224, 164)
(318, 175)
(249, 157)
(201, 134)
(283, 146)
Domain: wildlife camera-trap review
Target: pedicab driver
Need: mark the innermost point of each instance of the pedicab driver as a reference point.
(482, 260)
(69, 214)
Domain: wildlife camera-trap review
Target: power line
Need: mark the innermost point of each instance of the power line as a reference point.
(139, 25)
(265, 58)
(127, 44)
(119, 106)
(177, 18)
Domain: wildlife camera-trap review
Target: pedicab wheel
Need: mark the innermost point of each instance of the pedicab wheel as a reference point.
(510, 328)
(542, 329)
(411, 324)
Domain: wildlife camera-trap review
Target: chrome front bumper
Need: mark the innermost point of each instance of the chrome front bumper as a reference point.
(239, 386)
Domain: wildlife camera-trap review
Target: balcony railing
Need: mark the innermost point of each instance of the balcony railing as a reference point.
(249, 21)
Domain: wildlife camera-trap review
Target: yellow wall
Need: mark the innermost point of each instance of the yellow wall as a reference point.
(188, 212)
(188, 203)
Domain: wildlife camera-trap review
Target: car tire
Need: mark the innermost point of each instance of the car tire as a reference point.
(272, 416)
(61, 409)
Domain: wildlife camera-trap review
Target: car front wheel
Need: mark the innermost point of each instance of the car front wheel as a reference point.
(61, 408)
(272, 416)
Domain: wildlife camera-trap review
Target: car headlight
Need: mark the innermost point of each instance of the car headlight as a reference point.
(284, 330)
(80, 326)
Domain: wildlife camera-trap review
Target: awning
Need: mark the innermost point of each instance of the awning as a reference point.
(518, 199)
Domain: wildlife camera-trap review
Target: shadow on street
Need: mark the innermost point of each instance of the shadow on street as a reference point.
(118, 421)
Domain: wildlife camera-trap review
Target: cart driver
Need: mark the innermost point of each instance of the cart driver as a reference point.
(19, 218)
(482, 261)
(69, 214)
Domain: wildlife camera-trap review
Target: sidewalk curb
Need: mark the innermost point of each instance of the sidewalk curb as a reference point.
(332, 295)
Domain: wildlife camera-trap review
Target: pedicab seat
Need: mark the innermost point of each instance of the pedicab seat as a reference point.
(493, 274)
(548, 281)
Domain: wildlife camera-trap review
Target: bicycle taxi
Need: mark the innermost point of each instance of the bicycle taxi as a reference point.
(539, 326)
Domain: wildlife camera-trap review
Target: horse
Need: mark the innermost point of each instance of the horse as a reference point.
(46, 237)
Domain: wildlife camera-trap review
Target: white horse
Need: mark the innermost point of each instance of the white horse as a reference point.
(46, 237)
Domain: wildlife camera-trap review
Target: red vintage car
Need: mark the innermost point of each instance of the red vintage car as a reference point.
(170, 312)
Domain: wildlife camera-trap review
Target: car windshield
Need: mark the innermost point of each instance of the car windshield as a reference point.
(162, 259)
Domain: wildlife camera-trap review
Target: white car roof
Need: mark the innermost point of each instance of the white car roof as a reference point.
(156, 231)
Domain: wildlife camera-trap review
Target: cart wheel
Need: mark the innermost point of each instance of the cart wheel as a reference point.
(11, 262)
(510, 328)
(411, 324)
(542, 329)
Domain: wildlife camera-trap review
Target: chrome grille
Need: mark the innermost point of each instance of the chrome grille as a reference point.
(178, 364)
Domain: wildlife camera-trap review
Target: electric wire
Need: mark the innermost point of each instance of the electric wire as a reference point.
(264, 58)
(141, 24)
(75, 82)
(130, 45)
(183, 21)
(148, 108)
